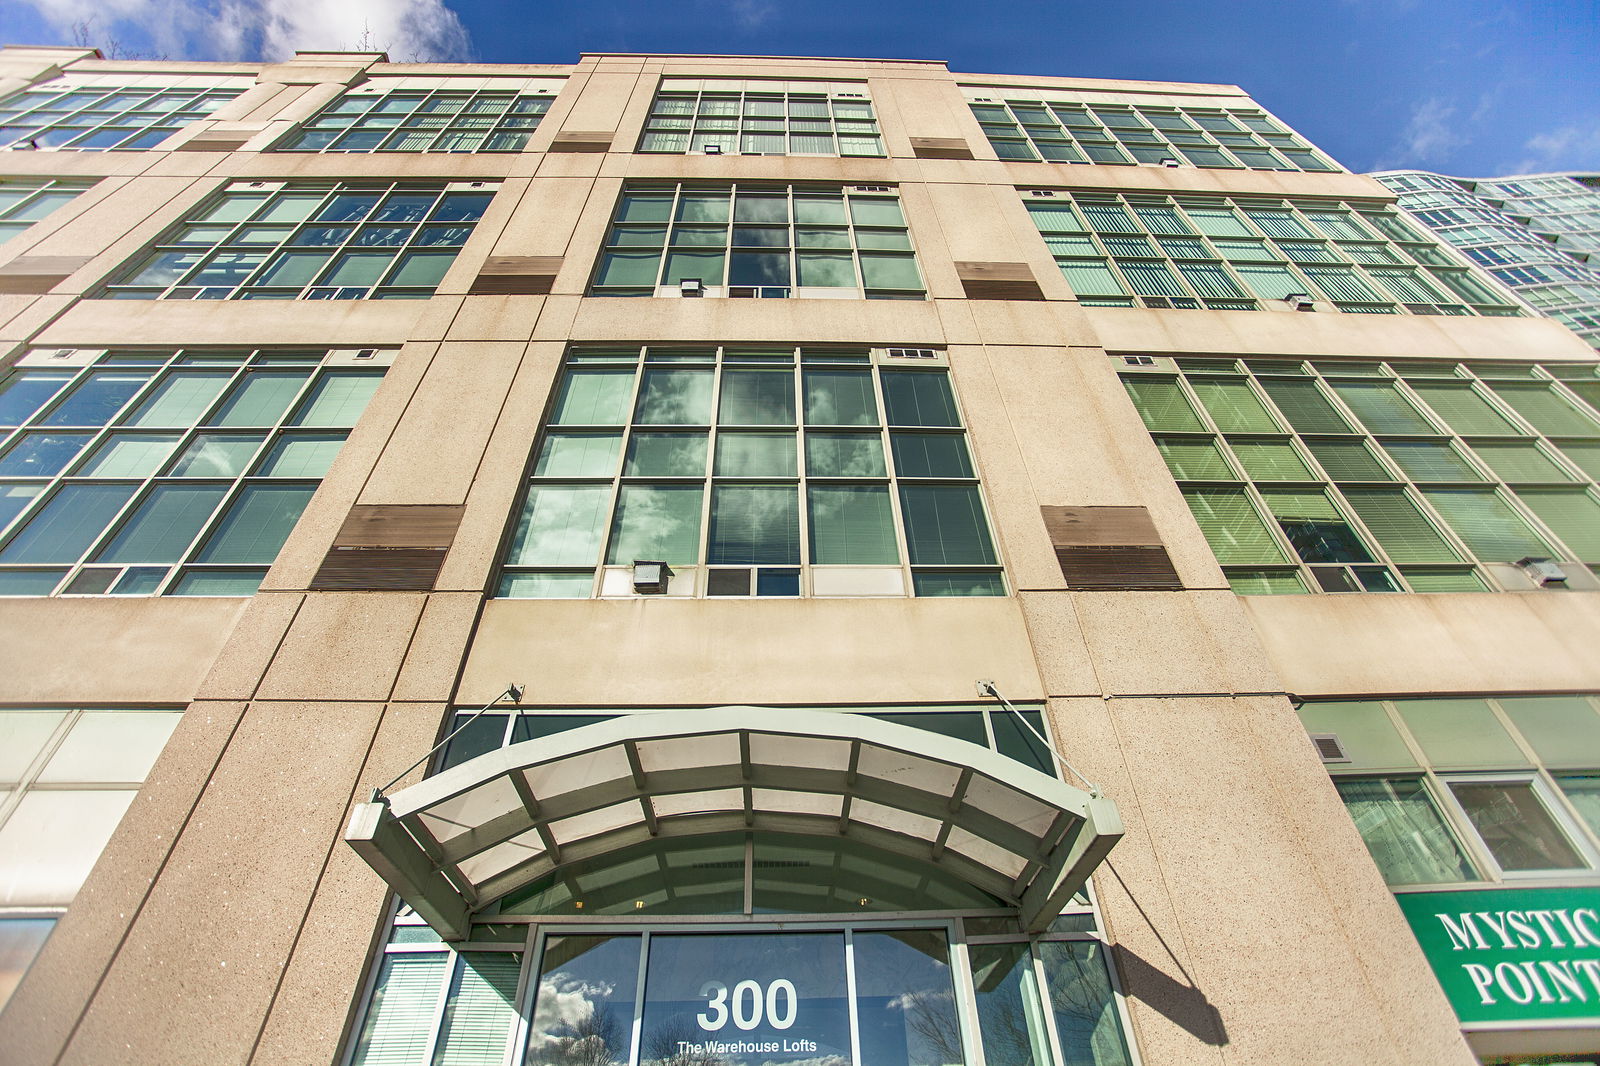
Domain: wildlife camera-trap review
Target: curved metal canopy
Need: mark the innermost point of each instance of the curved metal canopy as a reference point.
(458, 841)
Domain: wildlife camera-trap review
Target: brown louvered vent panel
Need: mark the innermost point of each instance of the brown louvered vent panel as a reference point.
(577, 141)
(389, 548)
(998, 281)
(215, 141)
(1109, 548)
(517, 275)
(940, 148)
(30, 275)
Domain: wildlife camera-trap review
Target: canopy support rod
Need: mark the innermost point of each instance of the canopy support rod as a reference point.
(986, 688)
(514, 691)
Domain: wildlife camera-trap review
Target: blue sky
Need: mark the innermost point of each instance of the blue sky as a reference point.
(1470, 87)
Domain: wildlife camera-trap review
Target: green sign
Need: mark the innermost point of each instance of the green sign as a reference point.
(1525, 955)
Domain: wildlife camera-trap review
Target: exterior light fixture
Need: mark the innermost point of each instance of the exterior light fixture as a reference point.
(650, 577)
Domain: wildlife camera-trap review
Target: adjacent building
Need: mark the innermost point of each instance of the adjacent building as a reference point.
(1535, 233)
(715, 559)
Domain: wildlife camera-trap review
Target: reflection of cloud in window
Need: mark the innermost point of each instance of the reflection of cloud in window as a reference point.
(569, 1026)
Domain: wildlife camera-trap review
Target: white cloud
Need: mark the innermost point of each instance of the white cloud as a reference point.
(409, 30)
(1429, 136)
(752, 14)
(1567, 148)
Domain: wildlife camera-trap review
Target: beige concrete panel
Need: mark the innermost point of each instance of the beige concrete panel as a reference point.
(860, 321)
(321, 985)
(544, 218)
(296, 103)
(495, 318)
(917, 108)
(174, 164)
(1164, 642)
(110, 649)
(434, 323)
(439, 648)
(1317, 334)
(1031, 322)
(930, 223)
(24, 242)
(465, 268)
(556, 321)
(997, 454)
(725, 168)
(634, 113)
(339, 68)
(1062, 403)
(1461, 642)
(1058, 644)
(1187, 88)
(1173, 1021)
(659, 651)
(1199, 771)
(435, 166)
(434, 451)
(569, 164)
(255, 640)
(303, 552)
(585, 237)
(497, 487)
(227, 907)
(344, 646)
(331, 323)
(600, 106)
(21, 317)
(63, 979)
(258, 102)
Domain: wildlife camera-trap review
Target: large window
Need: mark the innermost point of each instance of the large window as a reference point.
(759, 241)
(428, 115)
(139, 473)
(66, 778)
(1359, 476)
(1457, 790)
(104, 117)
(301, 240)
(1228, 254)
(24, 201)
(1072, 131)
(761, 118)
(753, 471)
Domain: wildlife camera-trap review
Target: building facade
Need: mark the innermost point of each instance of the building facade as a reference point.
(703, 559)
(1535, 233)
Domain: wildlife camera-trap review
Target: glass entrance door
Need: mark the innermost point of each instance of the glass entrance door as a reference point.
(837, 998)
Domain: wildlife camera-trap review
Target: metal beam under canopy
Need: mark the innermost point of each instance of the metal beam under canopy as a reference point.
(456, 842)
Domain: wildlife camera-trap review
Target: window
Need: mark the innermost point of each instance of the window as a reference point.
(66, 778)
(24, 201)
(759, 241)
(752, 472)
(1456, 790)
(1071, 131)
(1369, 477)
(98, 118)
(135, 473)
(1128, 251)
(400, 115)
(299, 240)
(759, 118)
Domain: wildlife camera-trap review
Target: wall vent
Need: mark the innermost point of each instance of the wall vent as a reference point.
(871, 188)
(1138, 360)
(389, 548)
(998, 281)
(581, 141)
(1109, 548)
(516, 275)
(1329, 748)
(1041, 192)
(940, 148)
(912, 353)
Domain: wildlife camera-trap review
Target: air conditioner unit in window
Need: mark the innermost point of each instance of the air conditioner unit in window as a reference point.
(691, 287)
(1170, 162)
(1299, 301)
(1545, 572)
(650, 577)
